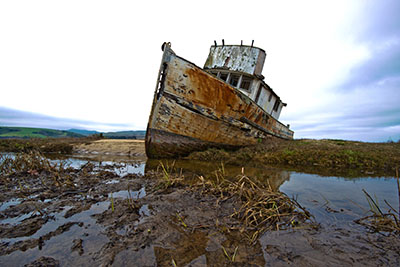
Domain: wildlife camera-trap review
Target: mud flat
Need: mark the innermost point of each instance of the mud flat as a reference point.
(108, 215)
(122, 147)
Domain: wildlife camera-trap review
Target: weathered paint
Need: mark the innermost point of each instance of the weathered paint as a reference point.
(245, 59)
(239, 61)
(193, 110)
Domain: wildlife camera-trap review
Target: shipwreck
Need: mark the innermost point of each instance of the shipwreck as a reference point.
(227, 104)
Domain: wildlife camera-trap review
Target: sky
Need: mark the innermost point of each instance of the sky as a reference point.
(94, 64)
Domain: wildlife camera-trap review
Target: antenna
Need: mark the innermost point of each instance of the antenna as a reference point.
(223, 42)
(252, 42)
(215, 43)
(241, 42)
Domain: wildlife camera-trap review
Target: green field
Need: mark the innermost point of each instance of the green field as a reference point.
(23, 132)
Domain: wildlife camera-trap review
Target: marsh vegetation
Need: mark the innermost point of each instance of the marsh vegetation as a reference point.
(382, 158)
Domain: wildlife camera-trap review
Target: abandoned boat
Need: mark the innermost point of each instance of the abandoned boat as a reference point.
(226, 104)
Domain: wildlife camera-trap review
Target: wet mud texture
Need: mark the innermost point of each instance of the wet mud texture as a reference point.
(91, 216)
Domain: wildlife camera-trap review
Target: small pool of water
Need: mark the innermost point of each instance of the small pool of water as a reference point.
(338, 200)
(129, 194)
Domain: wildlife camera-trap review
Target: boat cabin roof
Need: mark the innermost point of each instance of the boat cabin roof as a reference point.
(241, 58)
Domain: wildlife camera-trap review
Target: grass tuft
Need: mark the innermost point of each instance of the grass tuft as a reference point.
(260, 207)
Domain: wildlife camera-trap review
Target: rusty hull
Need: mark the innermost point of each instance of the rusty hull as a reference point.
(193, 110)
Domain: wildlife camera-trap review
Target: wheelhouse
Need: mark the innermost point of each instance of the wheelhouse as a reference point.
(241, 67)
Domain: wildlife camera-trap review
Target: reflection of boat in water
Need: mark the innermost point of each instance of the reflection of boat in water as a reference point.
(190, 168)
(225, 105)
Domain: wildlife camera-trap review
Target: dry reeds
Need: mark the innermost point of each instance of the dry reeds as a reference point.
(32, 166)
(380, 221)
(261, 208)
(32, 162)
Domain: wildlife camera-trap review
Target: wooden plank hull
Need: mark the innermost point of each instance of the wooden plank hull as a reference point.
(193, 110)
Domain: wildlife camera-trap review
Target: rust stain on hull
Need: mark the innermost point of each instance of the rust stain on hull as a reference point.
(193, 110)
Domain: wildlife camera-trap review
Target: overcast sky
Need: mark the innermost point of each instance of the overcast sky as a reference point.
(94, 64)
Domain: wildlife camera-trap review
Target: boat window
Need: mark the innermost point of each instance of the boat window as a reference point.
(270, 97)
(215, 73)
(259, 93)
(246, 82)
(276, 105)
(234, 80)
(223, 76)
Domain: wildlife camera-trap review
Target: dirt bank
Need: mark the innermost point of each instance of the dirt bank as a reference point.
(369, 158)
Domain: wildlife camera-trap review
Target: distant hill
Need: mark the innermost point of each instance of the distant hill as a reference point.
(113, 135)
(125, 135)
(83, 132)
(24, 132)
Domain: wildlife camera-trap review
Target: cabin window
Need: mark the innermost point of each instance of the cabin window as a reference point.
(215, 73)
(246, 82)
(258, 93)
(270, 97)
(223, 76)
(276, 105)
(234, 80)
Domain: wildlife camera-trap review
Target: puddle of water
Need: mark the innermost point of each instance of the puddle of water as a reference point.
(123, 166)
(113, 181)
(17, 220)
(90, 232)
(12, 202)
(129, 194)
(144, 210)
(120, 168)
(131, 169)
(4, 155)
(337, 200)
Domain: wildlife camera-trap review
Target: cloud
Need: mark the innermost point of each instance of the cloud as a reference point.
(17, 118)
(366, 113)
(378, 20)
(378, 29)
(364, 105)
(384, 63)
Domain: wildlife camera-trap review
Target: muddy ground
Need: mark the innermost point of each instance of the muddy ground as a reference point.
(95, 215)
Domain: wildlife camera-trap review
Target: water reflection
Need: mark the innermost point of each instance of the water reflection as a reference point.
(191, 169)
(337, 200)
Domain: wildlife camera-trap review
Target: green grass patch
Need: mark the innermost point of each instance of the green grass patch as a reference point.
(25, 132)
